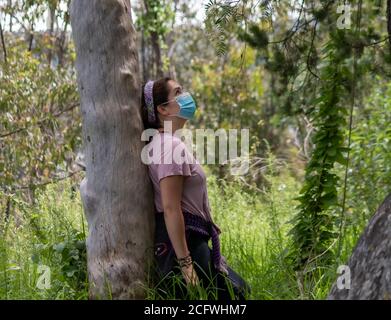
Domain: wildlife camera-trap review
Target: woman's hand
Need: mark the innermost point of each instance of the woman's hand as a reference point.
(190, 275)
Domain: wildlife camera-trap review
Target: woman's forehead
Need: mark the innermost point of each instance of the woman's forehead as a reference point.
(174, 85)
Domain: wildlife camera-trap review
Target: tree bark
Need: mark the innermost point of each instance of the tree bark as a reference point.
(116, 191)
(370, 263)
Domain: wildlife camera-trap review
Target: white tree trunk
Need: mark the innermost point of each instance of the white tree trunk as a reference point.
(116, 192)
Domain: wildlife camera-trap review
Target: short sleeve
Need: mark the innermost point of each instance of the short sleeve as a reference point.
(165, 170)
(178, 166)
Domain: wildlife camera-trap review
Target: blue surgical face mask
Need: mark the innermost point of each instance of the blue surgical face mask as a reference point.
(186, 104)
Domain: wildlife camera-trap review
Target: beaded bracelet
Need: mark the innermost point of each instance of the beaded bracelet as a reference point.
(185, 261)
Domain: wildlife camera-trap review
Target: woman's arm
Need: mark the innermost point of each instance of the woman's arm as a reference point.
(171, 192)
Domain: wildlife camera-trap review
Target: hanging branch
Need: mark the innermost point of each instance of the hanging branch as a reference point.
(310, 50)
(353, 99)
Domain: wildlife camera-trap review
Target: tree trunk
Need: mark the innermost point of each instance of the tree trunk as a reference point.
(155, 57)
(116, 192)
(389, 20)
(50, 27)
(370, 263)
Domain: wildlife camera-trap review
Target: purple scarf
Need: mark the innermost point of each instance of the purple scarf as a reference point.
(208, 228)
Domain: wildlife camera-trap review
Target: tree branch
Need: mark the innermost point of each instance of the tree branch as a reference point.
(42, 184)
(3, 135)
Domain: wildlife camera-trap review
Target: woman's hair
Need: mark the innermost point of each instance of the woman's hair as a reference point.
(160, 95)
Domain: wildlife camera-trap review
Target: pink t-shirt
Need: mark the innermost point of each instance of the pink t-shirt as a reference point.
(165, 147)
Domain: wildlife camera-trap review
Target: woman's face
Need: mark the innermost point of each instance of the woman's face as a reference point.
(171, 107)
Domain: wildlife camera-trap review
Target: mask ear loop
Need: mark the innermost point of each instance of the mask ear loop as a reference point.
(165, 103)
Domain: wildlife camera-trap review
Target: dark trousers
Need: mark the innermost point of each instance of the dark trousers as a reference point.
(216, 284)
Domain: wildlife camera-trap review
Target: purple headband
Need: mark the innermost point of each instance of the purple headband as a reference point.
(149, 101)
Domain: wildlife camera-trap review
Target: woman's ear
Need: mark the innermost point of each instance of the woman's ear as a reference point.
(162, 110)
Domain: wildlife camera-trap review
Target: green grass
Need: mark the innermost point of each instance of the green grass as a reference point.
(49, 234)
(254, 240)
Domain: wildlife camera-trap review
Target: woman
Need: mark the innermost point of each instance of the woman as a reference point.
(183, 221)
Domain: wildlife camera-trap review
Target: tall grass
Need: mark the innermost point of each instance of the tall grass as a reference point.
(254, 222)
(254, 225)
(44, 241)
